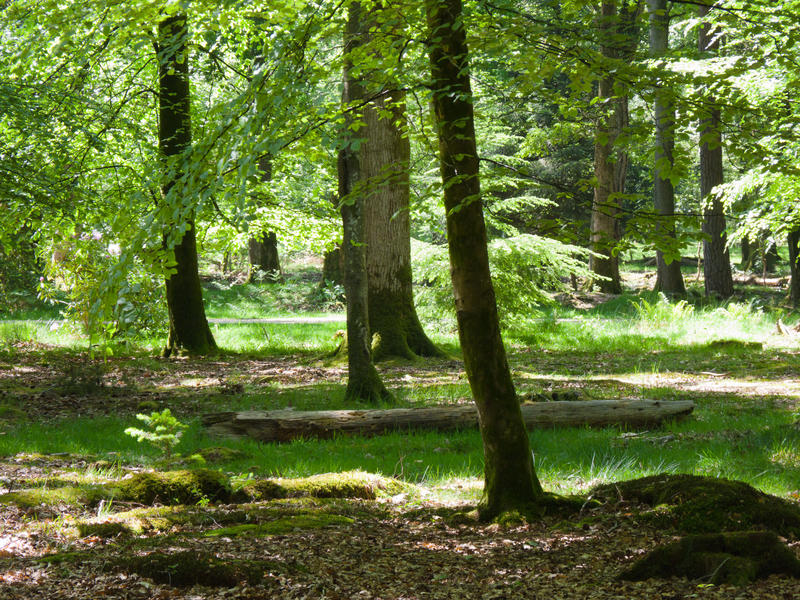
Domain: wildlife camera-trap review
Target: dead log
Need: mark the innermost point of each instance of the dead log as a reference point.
(286, 425)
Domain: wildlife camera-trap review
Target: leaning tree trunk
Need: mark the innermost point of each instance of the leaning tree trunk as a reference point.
(716, 259)
(793, 240)
(363, 380)
(188, 328)
(510, 478)
(385, 156)
(618, 40)
(669, 278)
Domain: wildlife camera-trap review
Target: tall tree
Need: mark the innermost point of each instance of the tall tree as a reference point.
(669, 278)
(618, 35)
(363, 380)
(716, 259)
(793, 241)
(188, 327)
(385, 155)
(262, 247)
(510, 481)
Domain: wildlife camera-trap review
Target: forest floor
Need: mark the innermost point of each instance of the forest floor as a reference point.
(357, 549)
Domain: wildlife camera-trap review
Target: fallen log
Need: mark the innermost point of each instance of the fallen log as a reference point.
(286, 425)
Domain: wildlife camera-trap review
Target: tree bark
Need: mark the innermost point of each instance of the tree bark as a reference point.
(262, 248)
(188, 327)
(363, 380)
(287, 425)
(618, 39)
(385, 156)
(716, 259)
(793, 241)
(669, 278)
(510, 481)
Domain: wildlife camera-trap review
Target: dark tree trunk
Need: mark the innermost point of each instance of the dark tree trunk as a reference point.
(510, 478)
(669, 278)
(793, 240)
(716, 259)
(263, 253)
(747, 254)
(385, 156)
(363, 380)
(188, 328)
(333, 267)
(771, 257)
(618, 39)
(262, 248)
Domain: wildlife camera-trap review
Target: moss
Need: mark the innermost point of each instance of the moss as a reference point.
(192, 567)
(736, 558)
(350, 484)
(104, 529)
(694, 504)
(69, 495)
(63, 557)
(217, 454)
(176, 487)
(282, 525)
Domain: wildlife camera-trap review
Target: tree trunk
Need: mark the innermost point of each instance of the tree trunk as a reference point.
(716, 259)
(747, 254)
(287, 425)
(332, 267)
(385, 156)
(509, 475)
(263, 253)
(262, 248)
(618, 39)
(188, 328)
(793, 240)
(363, 380)
(669, 278)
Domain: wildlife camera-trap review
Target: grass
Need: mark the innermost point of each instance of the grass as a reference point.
(633, 346)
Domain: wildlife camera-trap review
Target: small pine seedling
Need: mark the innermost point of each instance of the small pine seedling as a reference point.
(164, 430)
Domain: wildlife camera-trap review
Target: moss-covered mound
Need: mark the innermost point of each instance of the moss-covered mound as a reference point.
(737, 558)
(191, 568)
(282, 525)
(694, 504)
(89, 495)
(176, 487)
(350, 484)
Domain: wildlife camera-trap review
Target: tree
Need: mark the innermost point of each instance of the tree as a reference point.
(384, 156)
(618, 34)
(262, 247)
(669, 279)
(510, 481)
(363, 380)
(716, 259)
(188, 327)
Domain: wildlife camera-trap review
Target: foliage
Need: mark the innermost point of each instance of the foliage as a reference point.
(164, 430)
(526, 271)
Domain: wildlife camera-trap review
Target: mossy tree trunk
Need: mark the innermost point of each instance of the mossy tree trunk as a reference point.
(510, 478)
(188, 327)
(669, 278)
(363, 380)
(716, 259)
(385, 156)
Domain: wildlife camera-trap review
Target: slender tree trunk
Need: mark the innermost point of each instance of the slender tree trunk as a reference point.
(385, 156)
(363, 381)
(618, 40)
(188, 327)
(716, 259)
(747, 254)
(793, 241)
(669, 278)
(510, 478)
